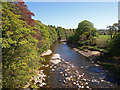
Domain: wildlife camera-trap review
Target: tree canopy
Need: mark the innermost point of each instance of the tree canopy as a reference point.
(84, 33)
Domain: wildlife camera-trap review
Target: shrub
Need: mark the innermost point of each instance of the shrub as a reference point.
(114, 47)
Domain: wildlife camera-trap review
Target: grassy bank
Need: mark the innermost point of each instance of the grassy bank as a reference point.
(112, 64)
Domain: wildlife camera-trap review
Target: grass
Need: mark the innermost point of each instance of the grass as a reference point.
(92, 47)
(101, 43)
(107, 37)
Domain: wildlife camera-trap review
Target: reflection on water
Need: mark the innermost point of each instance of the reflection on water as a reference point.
(94, 76)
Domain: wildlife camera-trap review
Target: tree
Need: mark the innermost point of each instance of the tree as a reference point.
(114, 47)
(26, 15)
(85, 32)
(119, 25)
(61, 33)
(18, 50)
(113, 30)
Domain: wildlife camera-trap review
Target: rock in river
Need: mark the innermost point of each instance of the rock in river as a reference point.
(56, 56)
(48, 52)
(55, 59)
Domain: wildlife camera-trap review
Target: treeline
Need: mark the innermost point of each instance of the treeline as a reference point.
(23, 41)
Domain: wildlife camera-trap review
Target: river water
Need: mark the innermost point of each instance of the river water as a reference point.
(75, 71)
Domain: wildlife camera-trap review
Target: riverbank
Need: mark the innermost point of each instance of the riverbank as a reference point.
(67, 67)
(95, 57)
(91, 55)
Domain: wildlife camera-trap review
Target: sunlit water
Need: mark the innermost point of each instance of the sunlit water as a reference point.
(95, 76)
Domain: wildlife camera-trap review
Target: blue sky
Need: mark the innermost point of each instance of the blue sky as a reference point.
(69, 14)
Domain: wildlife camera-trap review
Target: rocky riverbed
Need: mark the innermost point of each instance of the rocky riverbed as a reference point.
(65, 68)
(67, 75)
(40, 79)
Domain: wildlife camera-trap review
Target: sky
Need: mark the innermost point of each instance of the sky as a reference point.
(119, 10)
(70, 14)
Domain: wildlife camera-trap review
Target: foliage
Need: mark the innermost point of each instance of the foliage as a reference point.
(24, 39)
(22, 44)
(84, 34)
(86, 27)
(48, 35)
(114, 47)
(113, 30)
(25, 13)
(61, 32)
(102, 41)
(18, 50)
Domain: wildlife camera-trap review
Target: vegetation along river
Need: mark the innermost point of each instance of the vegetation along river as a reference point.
(73, 70)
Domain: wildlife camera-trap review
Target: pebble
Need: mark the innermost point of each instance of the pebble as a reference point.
(41, 85)
(55, 67)
(79, 75)
(50, 66)
(47, 66)
(74, 83)
(87, 87)
(41, 70)
(72, 66)
(82, 86)
(62, 59)
(70, 76)
(43, 65)
(81, 67)
(84, 79)
(64, 81)
(108, 82)
(79, 86)
(66, 62)
(68, 72)
(102, 80)
(98, 82)
(61, 72)
(86, 83)
(67, 78)
(52, 69)
(65, 74)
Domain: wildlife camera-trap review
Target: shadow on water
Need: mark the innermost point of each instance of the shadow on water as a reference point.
(91, 71)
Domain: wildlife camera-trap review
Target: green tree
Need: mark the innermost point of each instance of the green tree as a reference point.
(85, 32)
(113, 30)
(19, 52)
(61, 33)
(114, 47)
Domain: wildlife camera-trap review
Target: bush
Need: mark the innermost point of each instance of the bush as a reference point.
(102, 41)
(114, 47)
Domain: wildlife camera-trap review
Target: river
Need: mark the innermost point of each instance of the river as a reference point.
(75, 71)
